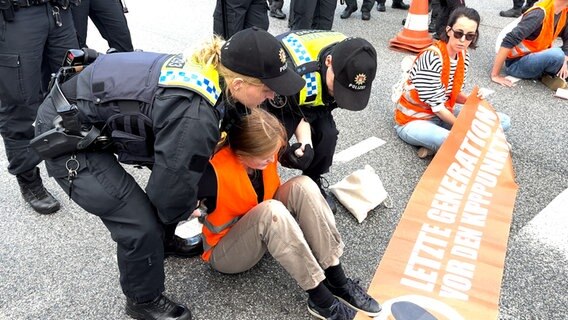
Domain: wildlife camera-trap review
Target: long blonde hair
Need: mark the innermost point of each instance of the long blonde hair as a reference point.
(256, 134)
(210, 54)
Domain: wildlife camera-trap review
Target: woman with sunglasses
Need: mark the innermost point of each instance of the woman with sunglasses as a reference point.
(427, 107)
(251, 213)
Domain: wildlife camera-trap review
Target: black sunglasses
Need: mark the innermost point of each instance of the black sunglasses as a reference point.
(460, 34)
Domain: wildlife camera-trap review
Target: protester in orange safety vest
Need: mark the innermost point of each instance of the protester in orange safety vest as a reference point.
(427, 107)
(526, 50)
(250, 213)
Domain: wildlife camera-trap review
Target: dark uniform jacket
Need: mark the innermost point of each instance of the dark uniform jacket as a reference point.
(120, 94)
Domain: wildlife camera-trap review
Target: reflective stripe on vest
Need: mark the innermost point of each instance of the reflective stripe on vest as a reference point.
(181, 73)
(305, 47)
(547, 33)
(410, 107)
(235, 196)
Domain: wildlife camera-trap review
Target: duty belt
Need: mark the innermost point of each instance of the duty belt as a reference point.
(30, 3)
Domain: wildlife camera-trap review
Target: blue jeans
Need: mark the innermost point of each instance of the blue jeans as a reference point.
(432, 133)
(535, 65)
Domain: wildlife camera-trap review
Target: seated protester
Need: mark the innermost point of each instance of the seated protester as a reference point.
(251, 213)
(427, 107)
(339, 72)
(160, 111)
(527, 49)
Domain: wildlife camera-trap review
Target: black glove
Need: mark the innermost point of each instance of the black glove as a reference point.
(289, 159)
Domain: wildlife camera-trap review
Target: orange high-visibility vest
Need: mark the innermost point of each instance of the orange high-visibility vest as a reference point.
(235, 195)
(547, 34)
(410, 107)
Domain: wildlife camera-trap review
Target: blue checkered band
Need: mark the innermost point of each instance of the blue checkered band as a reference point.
(302, 55)
(298, 48)
(311, 84)
(193, 80)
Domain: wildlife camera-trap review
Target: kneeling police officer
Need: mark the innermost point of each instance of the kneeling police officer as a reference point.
(339, 72)
(156, 110)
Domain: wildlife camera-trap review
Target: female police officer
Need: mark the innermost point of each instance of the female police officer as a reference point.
(158, 111)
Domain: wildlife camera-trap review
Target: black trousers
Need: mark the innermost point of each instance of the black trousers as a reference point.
(102, 187)
(276, 4)
(445, 9)
(31, 48)
(108, 17)
(241, 14)
(324, 136)
(312, 14)
(365, 7)
(393, 1)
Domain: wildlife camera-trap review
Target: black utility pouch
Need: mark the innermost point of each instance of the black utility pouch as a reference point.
(132, 138)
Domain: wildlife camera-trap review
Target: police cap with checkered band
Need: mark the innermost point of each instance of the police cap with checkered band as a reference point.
(354, 63)
(256, 53)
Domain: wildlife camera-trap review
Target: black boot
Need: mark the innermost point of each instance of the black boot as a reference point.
(157, 309)
(432, 25)
(366, 15)
(35, 194)
(381, 7)
(347, 12)
(277, 13)
(511, 13)
(320, 181)
(399, 5)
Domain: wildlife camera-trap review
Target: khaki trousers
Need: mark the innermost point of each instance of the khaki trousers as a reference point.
(297, 227)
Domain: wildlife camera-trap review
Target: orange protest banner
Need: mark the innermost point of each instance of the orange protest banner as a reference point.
(446, 257)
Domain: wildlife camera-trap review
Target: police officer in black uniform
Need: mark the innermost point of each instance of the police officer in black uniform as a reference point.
(312, 14)
(231, 16)
(158, 111)
(34, 36)
(339, 72)
(108, 17)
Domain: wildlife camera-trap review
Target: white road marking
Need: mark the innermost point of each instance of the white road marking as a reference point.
(358, 149)
(549, 226)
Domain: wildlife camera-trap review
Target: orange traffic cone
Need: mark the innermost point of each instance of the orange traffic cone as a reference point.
(414, 37)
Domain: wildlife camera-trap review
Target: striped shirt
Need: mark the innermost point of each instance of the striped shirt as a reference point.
(426, 75)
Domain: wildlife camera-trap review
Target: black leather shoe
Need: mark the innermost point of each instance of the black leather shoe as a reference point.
(366, 15)
(35, 194)
(322, 185)
(329, 199)
(511, 13)
(347, 12)
(278, 14)
(355, 297)
(432, 26)
(381, 7)
(400, 5)
(160, 308)
(183, 248)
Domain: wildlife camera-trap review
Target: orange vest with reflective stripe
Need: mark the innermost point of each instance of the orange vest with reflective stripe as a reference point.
(235, 195)
(547, 34)
(410, 107)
